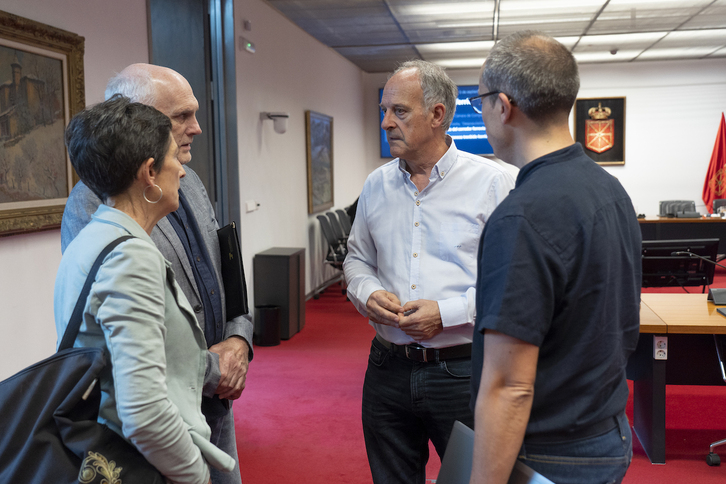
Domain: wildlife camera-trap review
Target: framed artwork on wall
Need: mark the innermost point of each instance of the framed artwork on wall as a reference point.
(600, 128)
(41, 88)
(319, 140)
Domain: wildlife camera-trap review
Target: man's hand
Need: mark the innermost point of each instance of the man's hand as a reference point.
(384, 308)
(233, 364)
(424, 322)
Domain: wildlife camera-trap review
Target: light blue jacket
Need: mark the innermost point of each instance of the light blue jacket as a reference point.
(152, 385)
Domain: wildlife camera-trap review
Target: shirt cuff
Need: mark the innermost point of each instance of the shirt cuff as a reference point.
(454, 312)
(212, 375)
(241, 326)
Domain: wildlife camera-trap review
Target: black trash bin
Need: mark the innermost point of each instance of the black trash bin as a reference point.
(267, 325)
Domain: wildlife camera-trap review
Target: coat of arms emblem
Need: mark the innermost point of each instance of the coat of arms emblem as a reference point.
(599, 131)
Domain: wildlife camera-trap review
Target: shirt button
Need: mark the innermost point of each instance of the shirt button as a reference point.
(198, 308)
(443, 173)
(415, 193)
(416, 224)
(413, 286)
(418, 202)
(415, 254)
(212, 292)
(198, 259)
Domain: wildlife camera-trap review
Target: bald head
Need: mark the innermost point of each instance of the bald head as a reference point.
(167, 91)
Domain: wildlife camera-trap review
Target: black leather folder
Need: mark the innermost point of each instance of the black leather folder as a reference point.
(233, 273)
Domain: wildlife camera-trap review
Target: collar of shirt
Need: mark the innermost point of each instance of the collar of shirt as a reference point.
(563, 154)
(441, 168)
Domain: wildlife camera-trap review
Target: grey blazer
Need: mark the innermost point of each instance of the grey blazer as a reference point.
(155, 347)
(82, 203)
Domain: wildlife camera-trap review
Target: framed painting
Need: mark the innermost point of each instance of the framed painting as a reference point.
(41, 88)
(600, 128)
(319, 138)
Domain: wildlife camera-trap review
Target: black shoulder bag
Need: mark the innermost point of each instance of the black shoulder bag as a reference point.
(49, 430)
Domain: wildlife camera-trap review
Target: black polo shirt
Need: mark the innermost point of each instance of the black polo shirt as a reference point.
(560, 268)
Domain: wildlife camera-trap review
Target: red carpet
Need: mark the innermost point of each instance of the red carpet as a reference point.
(298, 420)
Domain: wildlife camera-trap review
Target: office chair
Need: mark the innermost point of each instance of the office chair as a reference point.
(719, 203)
(345, 221)
(337, 228)
(678, 208)
(336, 250)
(712, 458)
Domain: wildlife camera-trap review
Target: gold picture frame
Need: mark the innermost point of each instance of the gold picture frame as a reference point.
(600, 128)
(319, 141)
(41, 87)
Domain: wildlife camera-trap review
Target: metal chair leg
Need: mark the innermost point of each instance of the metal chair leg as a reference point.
(712, 458)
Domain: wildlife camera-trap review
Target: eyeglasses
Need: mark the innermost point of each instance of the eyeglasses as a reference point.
(477, 100)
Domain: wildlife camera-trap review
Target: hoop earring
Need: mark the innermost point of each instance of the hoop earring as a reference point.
(161, 193)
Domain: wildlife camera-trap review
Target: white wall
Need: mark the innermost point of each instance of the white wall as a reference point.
(673, 110)
(292, 72)
(115, 34)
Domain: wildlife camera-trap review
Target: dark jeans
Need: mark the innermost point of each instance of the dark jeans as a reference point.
(597, 460)
(406, 403)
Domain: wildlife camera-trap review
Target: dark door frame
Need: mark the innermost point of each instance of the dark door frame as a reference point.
(220, 65)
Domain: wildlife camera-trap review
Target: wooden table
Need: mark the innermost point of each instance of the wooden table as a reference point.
(688, 321)
(674, 228)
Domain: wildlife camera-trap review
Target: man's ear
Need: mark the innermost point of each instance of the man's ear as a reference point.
(439, 112)
(147, 174)
(506, 109)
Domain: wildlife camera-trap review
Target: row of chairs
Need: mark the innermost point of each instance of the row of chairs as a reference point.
(336, 228)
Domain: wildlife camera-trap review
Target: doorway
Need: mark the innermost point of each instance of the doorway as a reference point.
(196, 39)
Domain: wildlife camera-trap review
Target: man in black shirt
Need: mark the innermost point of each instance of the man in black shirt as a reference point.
(558, 285)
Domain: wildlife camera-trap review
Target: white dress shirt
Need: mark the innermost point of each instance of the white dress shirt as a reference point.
(424, 245)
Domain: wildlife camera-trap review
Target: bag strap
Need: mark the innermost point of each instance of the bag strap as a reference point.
(74, 325)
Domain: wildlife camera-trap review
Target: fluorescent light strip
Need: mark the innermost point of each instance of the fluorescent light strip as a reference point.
(614, 39)
(680, 35)
(605, 56)
(444, 8)
(460, 63)
(692, 52)
(455, 47)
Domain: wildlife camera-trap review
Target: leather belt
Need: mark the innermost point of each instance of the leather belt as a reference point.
(598, 428)
(427, 355)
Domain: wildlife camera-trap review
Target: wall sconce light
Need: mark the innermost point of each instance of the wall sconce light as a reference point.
(278, 119)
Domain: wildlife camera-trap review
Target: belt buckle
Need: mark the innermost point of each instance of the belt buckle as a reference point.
(423, 350)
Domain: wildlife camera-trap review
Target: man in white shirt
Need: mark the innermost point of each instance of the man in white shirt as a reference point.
(411, 269)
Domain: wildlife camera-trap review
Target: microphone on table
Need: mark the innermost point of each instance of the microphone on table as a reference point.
(718, 296)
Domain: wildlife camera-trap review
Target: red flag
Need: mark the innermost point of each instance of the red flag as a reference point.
(715, 184)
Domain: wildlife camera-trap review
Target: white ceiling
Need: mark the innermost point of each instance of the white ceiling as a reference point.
(377, 35)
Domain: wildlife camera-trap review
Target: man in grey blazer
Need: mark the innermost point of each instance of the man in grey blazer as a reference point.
(188, 239)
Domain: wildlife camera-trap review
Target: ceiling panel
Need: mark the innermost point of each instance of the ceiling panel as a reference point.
(376, 35)
(713, 17)
(380, 58)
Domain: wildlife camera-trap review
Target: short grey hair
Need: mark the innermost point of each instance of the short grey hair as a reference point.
(136, 84)
(436, 85)
(539, 74)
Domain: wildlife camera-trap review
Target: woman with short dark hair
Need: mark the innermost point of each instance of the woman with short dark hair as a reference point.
(156, 351)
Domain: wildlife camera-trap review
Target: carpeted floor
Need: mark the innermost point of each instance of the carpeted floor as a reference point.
(298, 420)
